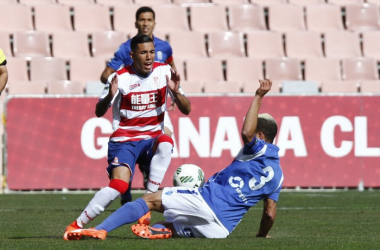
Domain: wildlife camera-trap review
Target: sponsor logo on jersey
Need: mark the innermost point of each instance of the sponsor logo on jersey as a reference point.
(169, 193)
(237, 183)
(133, 86)
(159, 55)
(144, 101)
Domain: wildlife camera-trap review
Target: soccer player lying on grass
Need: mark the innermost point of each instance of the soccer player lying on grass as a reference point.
(214, 210)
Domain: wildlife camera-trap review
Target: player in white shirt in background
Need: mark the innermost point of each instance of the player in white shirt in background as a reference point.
(138, 95)
(214, 210)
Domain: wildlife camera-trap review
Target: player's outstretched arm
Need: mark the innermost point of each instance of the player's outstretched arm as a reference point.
(183, 103)
(268, 218)
(103, 105)
(250, 121)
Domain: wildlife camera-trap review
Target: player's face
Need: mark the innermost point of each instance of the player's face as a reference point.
(143, 58)
(145, 24)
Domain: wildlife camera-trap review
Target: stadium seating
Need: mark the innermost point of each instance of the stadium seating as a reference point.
(188, 44)
(105, 43)
(37, 2)
(286, 17)
(8, 2)
(265, 44)
(180, 67)
(222, 87)
(31, 44)
(332, 17)
(68, 44)
(76, 2)
(27, 87)
(190, 1)
(193, 87)
(226, 44)
(362, 17)
(114, 2)
(124, 18)
(280, 69)
(252, 86)
(86, 69)
(244, 69)
(94, 87)
(15, 17)
(52, 17)
(321, 69)
(151, 2)
(370, 86)
(362, 68)
(92, 18)
(5, 44)
(246, 17)
(19, 65)
(48, 68)
(371, 45)
(268, 2)
(208, 18)
(306, 2)
(342, 44)
(339, 87)
(230, 2)
(204, 69)
(300, 87)
(65, 87)
(165, 16)
(345, 2)
(373, 1)
(303, 44)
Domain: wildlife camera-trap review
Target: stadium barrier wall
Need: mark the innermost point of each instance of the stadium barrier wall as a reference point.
(325, 141)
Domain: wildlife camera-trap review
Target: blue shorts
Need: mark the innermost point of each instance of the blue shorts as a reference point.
(129, 153)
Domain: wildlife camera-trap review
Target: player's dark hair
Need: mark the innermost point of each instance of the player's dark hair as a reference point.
(140, 39)
(143, 10)
(268, 126)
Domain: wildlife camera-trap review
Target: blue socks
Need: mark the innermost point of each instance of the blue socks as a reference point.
(130, 212)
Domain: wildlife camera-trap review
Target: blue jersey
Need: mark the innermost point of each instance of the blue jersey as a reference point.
(254, 174)
(122, 57)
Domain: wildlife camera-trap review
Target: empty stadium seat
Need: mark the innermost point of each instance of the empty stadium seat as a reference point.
(306, 2)
(342, 44)
(48, 68)
(114, 2)
(8, 2)
(190, 1)
(204, 69)
(124, 18)
(92, 18)
(76, 2)
(95, 87)
(86, 69)
(286, 17)
(31, 44)
(16, 17)
(5, 44)
(188, 44)
(230, 2)
(373, 1)
(222, 87)
(303, 44)
(226, 44)
(371, 45)
(165, 16)
(265, 44)
(268, 2)
(244, 69)
(105, 43)
(280, 69)
(300, 87)
(362, 68)
(370, 86)
(52, 17)
(192, 87)
(321, 69)
(332, 17)
(362, 17)
(68, 44)
(27, 88)
(180, 67)
(339, 87)
(246, 17)
(65, 87)
(37, 2)
(19, 65)
(345, 2)
(208, 18)
(151, 2)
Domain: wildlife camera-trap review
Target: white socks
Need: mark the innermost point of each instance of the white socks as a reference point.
(158, 166)
(101, 201)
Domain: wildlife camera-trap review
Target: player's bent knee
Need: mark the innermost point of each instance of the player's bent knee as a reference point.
(119, 185)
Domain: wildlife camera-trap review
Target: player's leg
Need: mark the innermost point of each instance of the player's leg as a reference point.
(168, 126)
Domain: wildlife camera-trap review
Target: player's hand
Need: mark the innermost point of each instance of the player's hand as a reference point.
(174, 82)
(114, 85)
(265, 86)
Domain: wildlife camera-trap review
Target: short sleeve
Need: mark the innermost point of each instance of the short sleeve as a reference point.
(121, 58)
(3, 59)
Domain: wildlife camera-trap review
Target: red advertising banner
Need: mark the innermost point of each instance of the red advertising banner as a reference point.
(325, 141)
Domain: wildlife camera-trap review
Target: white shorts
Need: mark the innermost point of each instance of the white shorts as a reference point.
(168, 122)
(190, 214)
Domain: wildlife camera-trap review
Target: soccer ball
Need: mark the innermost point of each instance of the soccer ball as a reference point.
(189, 175)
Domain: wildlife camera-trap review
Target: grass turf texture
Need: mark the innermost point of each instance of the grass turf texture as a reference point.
(305, 220)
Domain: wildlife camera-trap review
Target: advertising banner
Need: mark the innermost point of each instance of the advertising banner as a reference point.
(325, 141)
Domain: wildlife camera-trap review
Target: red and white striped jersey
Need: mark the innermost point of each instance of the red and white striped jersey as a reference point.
(140, 103)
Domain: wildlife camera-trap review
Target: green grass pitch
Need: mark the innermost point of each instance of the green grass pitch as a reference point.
(305, 220)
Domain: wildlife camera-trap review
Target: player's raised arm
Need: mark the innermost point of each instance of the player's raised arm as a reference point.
(103, 105)
(250, 121)
(182, 101)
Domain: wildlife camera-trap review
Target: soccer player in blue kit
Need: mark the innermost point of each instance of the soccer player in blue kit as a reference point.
(145, 23)
(214, 210)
